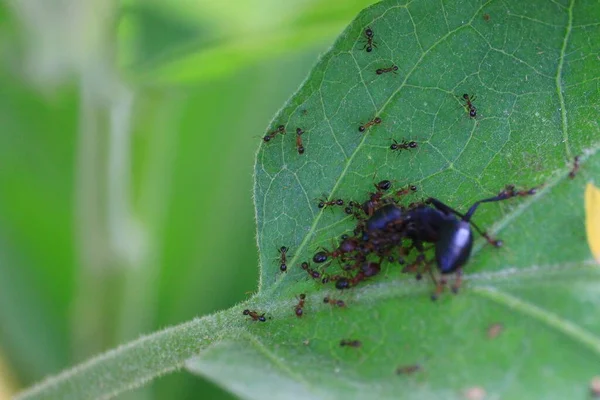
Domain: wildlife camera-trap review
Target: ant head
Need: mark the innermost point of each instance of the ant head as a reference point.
(246, 312)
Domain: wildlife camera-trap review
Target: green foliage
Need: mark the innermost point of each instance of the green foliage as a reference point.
(533, 68)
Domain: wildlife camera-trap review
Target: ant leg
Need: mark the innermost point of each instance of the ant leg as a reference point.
(508, 193)
(457, 281)
(439, 286)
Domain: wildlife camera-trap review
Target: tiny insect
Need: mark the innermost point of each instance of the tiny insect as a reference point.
(575, 167)
(469, 105)
(374, 121)
(403, 145)
(334, 302)
(255, 316)
(313, 273)
(486, 17)
(393, 69)
(494, 330)
(283, 258)
(280, 129)
(299, 145)
(350, 343)
(299, 307)
(325, 203)
(408, 369)
(370, 42)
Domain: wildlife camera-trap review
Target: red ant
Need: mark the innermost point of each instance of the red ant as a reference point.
(334, 302)
(313, 273)
(374, 121)
(575, 167)
(393, 69)
(408, 369)
(255, 316)
(280, 129)
(325, 203)
(300, 306)
(403, 145)
(469, 104)
(370, 42)
(283, 258)
(370, 205)
(367, 270)
(509, 191)
(299, 144)
(350, 343)
(405, 191)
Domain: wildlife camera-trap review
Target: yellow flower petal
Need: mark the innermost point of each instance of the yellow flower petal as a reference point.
(592, 219)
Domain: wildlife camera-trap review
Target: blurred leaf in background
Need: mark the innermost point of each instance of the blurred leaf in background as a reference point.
(128, 135)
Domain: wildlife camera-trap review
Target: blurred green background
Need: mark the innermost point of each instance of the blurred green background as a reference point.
(128, 134)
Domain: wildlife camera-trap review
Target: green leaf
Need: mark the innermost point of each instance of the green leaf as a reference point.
(523, 325)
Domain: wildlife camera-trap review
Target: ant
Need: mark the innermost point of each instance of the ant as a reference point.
(403, 145)
(298, 309)
(299, 144)
(370, 42)
(374, 121)
(393, 69)
(325, 203)
(408, 369)
(255, 316)
(469, 104)
(450, 231)
(350, 343)
(334, 302)
(280, 129)
(313, 273)
(283, 258)
(367, 270)
(575, 167)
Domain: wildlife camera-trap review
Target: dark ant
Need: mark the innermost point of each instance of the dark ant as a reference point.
(374, 121)
(575, 167)
(325, 203)
(370, 42)
(350, 343)
(313, 273)
(393, 69)
(452, 236)
(408, 369)
(299, 144)
(469, 105)
(298, 309)
(280, 129)
(255, 316)
(403, 145)
(334, 302)
(283, 258)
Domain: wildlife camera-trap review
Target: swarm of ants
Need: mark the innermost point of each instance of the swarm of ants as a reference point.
(387, 231)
